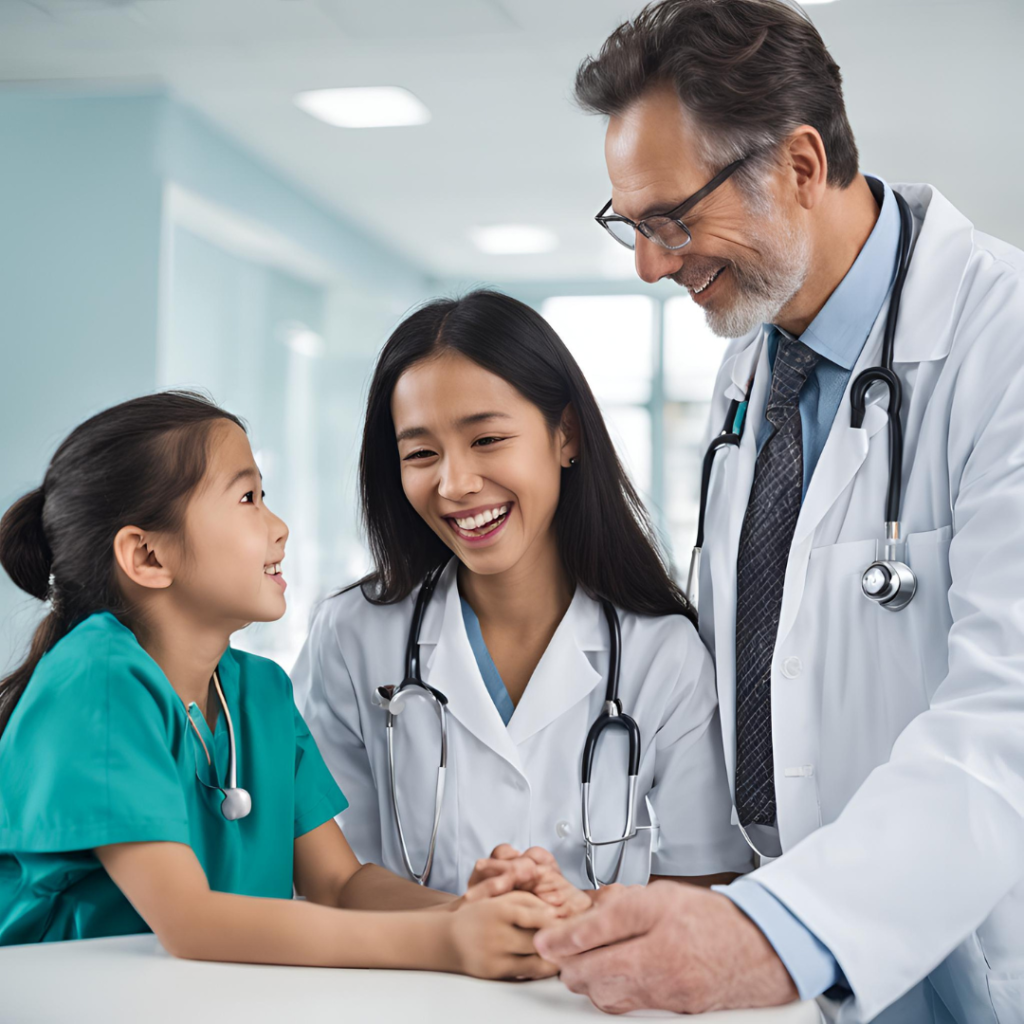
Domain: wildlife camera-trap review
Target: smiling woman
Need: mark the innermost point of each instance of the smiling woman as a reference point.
(516, 387)
(489, 478)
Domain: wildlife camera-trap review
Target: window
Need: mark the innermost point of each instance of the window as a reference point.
(692, 355)
(652, 366)
(612, 338)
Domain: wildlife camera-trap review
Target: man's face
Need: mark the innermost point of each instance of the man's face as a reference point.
(748, 257)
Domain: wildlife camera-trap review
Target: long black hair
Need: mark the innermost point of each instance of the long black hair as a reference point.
(134, 464)
(604, 534)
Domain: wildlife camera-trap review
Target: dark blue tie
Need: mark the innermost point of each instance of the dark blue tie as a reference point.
(760, 573)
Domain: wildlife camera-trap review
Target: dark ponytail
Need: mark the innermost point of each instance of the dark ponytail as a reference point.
(135, 464)
(24, 553)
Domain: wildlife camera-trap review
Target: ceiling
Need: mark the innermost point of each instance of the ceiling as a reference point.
(931, 89)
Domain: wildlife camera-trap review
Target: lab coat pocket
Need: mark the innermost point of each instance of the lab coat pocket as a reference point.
(874, 669)
(929, 624)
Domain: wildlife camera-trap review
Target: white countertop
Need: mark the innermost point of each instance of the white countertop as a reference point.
(132, 979)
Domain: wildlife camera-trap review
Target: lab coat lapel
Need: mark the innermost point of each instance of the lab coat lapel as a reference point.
(935, 279)
(924, 332)
(564, 675)
(847, 446)
(450, 666)
(727, 505)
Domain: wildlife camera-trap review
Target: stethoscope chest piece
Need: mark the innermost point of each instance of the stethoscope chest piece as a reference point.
(236, 802)
(891, 584)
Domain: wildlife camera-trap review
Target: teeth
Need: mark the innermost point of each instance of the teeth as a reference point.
(272, 570)
(482, 519)
(697, 291)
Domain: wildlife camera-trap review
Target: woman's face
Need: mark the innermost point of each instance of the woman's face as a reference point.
(479, 463)
(234, 544)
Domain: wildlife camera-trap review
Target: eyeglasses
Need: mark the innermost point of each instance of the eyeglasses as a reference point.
(667, 229)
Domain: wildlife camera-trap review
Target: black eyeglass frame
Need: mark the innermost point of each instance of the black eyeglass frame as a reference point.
(605, 219)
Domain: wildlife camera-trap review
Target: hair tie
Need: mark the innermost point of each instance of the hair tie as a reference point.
(52, 597)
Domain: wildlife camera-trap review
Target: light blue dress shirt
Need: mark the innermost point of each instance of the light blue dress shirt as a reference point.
(839, 331)
(492, 679)
(838, 334)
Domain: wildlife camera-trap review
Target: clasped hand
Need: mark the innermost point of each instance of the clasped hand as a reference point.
(510, 896)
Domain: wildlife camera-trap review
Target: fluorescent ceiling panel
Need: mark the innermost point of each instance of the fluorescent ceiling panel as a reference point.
(372, 107)
(513, 239)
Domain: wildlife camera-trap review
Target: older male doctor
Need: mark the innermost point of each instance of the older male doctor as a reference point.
(879, 748)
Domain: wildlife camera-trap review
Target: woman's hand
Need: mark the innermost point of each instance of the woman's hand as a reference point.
(534, 871)
(493, 938)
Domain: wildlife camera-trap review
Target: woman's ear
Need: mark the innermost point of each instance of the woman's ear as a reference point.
(137, 557)
(569, 437)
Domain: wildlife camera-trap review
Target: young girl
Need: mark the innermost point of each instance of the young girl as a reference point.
(151, 777)
(487, 472)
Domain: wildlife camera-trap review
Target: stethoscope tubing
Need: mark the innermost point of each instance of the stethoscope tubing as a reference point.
(236, 802)
(882, 374)
(392, 699)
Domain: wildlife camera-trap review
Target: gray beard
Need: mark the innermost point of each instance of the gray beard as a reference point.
(763, 288)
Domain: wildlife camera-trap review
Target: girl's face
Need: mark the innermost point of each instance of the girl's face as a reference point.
(233, 543)
(479, 463)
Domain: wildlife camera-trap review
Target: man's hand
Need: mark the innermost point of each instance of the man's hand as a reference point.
(534, 871)
(667, 946)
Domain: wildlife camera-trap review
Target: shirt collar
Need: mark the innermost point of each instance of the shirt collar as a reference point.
(841, 328)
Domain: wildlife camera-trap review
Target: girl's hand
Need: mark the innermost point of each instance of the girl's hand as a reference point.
(535, 871)
(493, 938)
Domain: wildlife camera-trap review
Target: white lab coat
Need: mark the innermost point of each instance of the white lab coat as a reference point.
(899, 737)
(521, 783)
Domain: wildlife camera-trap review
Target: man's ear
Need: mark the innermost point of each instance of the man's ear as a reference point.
(569, 436)
(808, 164)
(136, 554)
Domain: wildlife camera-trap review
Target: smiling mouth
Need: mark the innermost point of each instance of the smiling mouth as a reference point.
(708, 283)
(482, 524)
(273, 570)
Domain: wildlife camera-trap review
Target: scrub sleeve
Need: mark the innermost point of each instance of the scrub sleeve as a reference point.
(99, 751)
(90, 764)
(317, 796)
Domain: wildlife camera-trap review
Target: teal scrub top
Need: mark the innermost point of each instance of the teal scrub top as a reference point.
(99, 750)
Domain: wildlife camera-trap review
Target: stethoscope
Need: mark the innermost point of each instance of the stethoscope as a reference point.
(888, 581)
(393, 700)
(236, 803)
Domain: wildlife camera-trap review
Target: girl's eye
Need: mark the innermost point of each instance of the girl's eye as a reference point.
(423, 453)
(249, 497)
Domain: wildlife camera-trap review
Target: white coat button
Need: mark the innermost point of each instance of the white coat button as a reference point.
(791, 668)
(562, 829)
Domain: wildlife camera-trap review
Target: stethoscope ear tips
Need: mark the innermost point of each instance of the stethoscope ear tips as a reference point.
(236, 804)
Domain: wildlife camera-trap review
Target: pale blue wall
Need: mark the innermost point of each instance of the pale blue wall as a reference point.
(79, 258)
(82, 180)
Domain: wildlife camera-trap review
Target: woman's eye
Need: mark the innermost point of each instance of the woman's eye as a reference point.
(487, 441)
(423, 453)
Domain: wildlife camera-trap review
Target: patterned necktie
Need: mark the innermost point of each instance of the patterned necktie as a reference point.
(765, 541)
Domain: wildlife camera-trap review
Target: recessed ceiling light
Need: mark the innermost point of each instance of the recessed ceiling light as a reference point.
(513, 239)
(375, 107)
